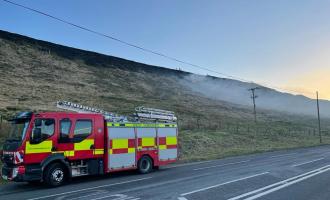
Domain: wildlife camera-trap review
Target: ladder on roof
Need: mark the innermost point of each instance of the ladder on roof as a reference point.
(67, 105)
(153, 114)
(141, 113)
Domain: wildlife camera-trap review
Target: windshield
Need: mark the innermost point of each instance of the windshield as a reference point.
(18, 130)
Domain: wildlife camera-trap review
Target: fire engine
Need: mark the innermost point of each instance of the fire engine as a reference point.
(53, 147)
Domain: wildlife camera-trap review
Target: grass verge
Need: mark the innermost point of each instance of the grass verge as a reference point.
(212, 144)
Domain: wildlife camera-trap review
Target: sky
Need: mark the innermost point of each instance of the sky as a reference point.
(277, 43)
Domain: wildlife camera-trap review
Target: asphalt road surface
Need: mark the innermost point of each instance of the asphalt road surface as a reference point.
(293, 174)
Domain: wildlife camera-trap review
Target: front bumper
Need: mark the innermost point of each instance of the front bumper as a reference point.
(17, 174)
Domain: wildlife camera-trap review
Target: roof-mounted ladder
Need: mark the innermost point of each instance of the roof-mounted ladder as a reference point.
(143, 113)
(67, 105)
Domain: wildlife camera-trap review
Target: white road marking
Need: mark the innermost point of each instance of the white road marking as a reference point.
(283, 155)
(182, 198)
(221, 184)
(296, 165)
(187, 164)
(93, 193)
(91, 188)
(281, 184)
(194, 163)
(285, 185)
(117, 197)
(207, 161)
(222, 165)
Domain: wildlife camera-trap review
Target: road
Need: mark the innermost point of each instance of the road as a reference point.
(291, 174)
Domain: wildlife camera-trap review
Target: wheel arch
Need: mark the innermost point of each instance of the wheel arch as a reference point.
(56, 158)
(147, 155)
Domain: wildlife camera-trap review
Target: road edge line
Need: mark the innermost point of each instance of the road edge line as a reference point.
(221, 184)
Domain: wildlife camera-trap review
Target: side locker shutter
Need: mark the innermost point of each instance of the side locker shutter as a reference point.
(121, 143)
(168, 148)
(146, 138)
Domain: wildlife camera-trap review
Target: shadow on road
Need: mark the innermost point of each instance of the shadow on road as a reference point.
(14, 187)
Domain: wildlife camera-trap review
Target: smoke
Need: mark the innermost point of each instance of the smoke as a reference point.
(237, 92)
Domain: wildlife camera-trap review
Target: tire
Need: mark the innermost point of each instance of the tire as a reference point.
(145, 165)
(55, 175)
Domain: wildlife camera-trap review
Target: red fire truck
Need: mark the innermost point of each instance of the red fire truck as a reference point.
(53, 147)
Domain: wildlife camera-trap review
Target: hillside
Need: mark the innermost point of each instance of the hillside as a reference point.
(237, 92)
(35, 74)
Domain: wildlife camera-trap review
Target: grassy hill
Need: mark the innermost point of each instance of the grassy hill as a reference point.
(35, 74)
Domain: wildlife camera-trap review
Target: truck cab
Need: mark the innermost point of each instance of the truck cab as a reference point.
(53, 147)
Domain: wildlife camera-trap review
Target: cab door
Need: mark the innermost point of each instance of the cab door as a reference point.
(76, 136)
(41, 141)
(83, 137)
(64, 142)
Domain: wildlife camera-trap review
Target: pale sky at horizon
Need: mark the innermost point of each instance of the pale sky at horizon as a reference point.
(281, 43)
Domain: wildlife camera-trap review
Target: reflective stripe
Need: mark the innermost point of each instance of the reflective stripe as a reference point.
(166, 125)
(43, 147)
(139, 125)
(122, 151)
(65, 153)
(131, 150)
(119, 143)
(68, 153)
(84, 145)
(171, 140)
(149, 141)
(98, 151)
(46, 146)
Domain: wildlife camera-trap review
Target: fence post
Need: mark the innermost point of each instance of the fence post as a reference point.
(197, 123)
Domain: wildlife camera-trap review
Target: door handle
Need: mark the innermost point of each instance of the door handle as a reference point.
(92, 146)
(53, 149)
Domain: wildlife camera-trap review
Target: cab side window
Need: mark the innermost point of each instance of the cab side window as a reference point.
(42, 129)
(65, 125)
(82, 129)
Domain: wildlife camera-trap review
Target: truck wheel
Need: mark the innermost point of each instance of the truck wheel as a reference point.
(145, 165)
(55, 175)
